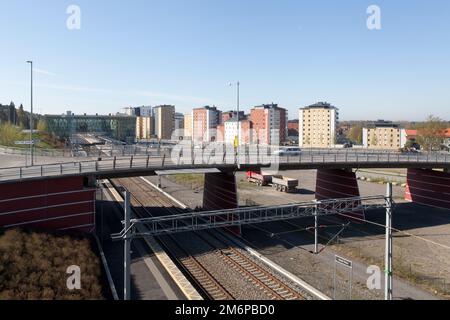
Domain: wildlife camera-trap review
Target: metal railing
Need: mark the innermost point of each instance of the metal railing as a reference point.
(198, 160)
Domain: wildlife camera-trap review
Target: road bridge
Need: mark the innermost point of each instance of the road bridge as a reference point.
(335, 179)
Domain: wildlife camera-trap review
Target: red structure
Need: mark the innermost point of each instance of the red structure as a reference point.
(338, 183)
(52, 204)
(428, 187)
(220, 192)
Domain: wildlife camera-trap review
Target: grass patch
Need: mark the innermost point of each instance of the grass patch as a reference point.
(33, 266)
(9, 134)
(193, 181)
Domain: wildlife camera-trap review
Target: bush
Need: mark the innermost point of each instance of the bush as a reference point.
(9, 134)
(33, 266)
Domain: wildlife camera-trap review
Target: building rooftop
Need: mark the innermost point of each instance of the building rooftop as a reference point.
(214, 108)
(267, 106)
(320, 105)
(383, 124)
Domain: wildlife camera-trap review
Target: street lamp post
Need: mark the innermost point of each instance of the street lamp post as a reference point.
(237, 115)
(31, 117)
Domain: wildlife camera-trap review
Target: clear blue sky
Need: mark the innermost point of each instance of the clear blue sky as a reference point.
(184, 52)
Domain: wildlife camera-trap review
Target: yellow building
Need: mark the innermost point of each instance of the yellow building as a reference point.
(188, 125)
(384, 135)
(317, 125)
(144, 128)
(164, 121)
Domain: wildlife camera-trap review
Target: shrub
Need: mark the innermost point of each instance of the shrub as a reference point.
(33, 266)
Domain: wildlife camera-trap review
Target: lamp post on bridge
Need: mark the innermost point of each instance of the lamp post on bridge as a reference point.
(31, 116)
(237, 116)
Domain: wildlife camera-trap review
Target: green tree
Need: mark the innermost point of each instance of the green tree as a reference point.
(9, 134)
(22, 118)
(42, 126)
(430, 134)
(355, 134)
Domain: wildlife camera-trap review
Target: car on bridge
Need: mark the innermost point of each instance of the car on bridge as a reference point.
(288, 151)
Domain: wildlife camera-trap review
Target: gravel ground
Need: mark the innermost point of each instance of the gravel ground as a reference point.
(238, 286)
(426, 265)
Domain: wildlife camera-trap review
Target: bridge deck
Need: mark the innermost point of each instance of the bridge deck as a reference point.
(112, 167)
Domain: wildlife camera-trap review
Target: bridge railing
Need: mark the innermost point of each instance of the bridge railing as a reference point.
(199, 160)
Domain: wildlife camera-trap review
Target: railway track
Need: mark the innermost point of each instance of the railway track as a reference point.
(217, 268)
(249, 269)
(203, 279)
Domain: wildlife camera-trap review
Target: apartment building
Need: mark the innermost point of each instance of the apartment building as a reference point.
(269, 124)
(179, 125)
(384, 135)
(204, 123)
(188, 126)
(164, 121)
(232, 129)
(144, 128)
(318, 125)
(232, 114)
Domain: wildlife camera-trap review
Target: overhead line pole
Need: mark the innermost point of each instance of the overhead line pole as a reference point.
(127, 248)
(388, 247)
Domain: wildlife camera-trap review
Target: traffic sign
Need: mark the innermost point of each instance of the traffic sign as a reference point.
(344, 262)
(27, 142)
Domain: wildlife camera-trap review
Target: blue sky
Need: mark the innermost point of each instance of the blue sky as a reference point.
(185, 52)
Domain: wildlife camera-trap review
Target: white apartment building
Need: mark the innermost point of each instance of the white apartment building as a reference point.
(233, 129)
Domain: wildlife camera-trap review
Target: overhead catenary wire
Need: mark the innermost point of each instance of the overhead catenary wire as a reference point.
(397, 230)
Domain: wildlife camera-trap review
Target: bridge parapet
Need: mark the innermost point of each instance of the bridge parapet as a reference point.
(126, 166)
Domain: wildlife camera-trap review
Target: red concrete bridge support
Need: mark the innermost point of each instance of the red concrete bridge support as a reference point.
(337, 183)
(428, 187)
(49, 204)
(220, 192)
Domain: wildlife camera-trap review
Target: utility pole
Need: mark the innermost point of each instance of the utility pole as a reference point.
(31, 116)
(388, 247)
(316, 229)
(127, 248)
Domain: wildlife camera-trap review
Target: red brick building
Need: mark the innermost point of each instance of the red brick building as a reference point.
(269, 124)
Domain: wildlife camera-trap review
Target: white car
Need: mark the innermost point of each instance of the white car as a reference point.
(288, 151)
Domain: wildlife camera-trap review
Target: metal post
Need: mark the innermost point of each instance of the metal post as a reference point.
(334, 280)
(31, 115)
(127, 247)
(238, 126)
(316, 230)
(388, 247)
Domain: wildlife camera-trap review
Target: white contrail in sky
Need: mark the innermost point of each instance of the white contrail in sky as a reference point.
(45, 72)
